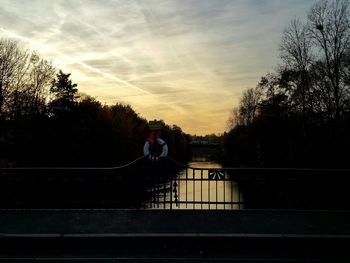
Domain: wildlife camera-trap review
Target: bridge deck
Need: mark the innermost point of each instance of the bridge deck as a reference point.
(130, 235)
(174, 223)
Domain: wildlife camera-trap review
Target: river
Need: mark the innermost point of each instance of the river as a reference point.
(210, 193)
(199, 193)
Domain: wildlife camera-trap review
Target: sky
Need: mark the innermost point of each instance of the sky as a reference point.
(186, 62)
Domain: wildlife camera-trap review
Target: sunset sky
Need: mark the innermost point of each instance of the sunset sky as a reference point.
(186, 62)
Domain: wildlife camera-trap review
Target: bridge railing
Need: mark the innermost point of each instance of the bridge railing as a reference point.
(250, 188)
(74, 187)
(194, 188)
(168, 184)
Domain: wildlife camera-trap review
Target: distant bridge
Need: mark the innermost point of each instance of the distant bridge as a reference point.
(204, 144)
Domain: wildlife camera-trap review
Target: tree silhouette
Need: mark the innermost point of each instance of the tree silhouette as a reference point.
(13, 65)
(330, 31)
(44, 121)
(65, 94)
(301, 117)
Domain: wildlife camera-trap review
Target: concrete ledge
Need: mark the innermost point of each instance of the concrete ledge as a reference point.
(136, 223)
(174, 236)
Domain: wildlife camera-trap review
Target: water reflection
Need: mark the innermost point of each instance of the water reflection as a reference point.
(193, 190)
(212, 194)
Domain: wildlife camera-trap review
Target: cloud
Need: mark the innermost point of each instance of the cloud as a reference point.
(184, 61)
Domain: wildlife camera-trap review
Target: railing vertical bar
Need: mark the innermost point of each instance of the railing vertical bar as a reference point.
(239, 197)
(179, 189)
(151, 195)
(232, 198)
(154, 192)
(194, 188)
(21, 183)
(144, 202)
(209, 200)
(171, 194)
(157, 194)
(186, 185)
(201, 189)
(164, 194)
(224, 185)
(216, 194)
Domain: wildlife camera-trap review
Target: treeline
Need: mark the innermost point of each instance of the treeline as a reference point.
(299, 115)
(45, 121)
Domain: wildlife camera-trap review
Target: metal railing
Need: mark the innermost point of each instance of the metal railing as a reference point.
(168, 184)
(250, 188)
(194, 188)
(74, 187)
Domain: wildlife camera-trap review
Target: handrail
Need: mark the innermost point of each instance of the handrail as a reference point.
(179, 164)
(257, 168)
(74, 168)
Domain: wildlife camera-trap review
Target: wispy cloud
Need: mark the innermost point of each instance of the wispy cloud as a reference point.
(184, 61)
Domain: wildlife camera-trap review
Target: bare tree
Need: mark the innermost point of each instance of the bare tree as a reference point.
(40, 77)
(296, 52)
(234, 118)
(329, 28)
(25, 80)
(247, 110)
(249, 105)
(295, 46)
(12, 66)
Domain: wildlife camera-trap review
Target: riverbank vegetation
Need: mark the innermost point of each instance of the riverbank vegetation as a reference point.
(299, 115)
(296, 116)
(46, 121)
